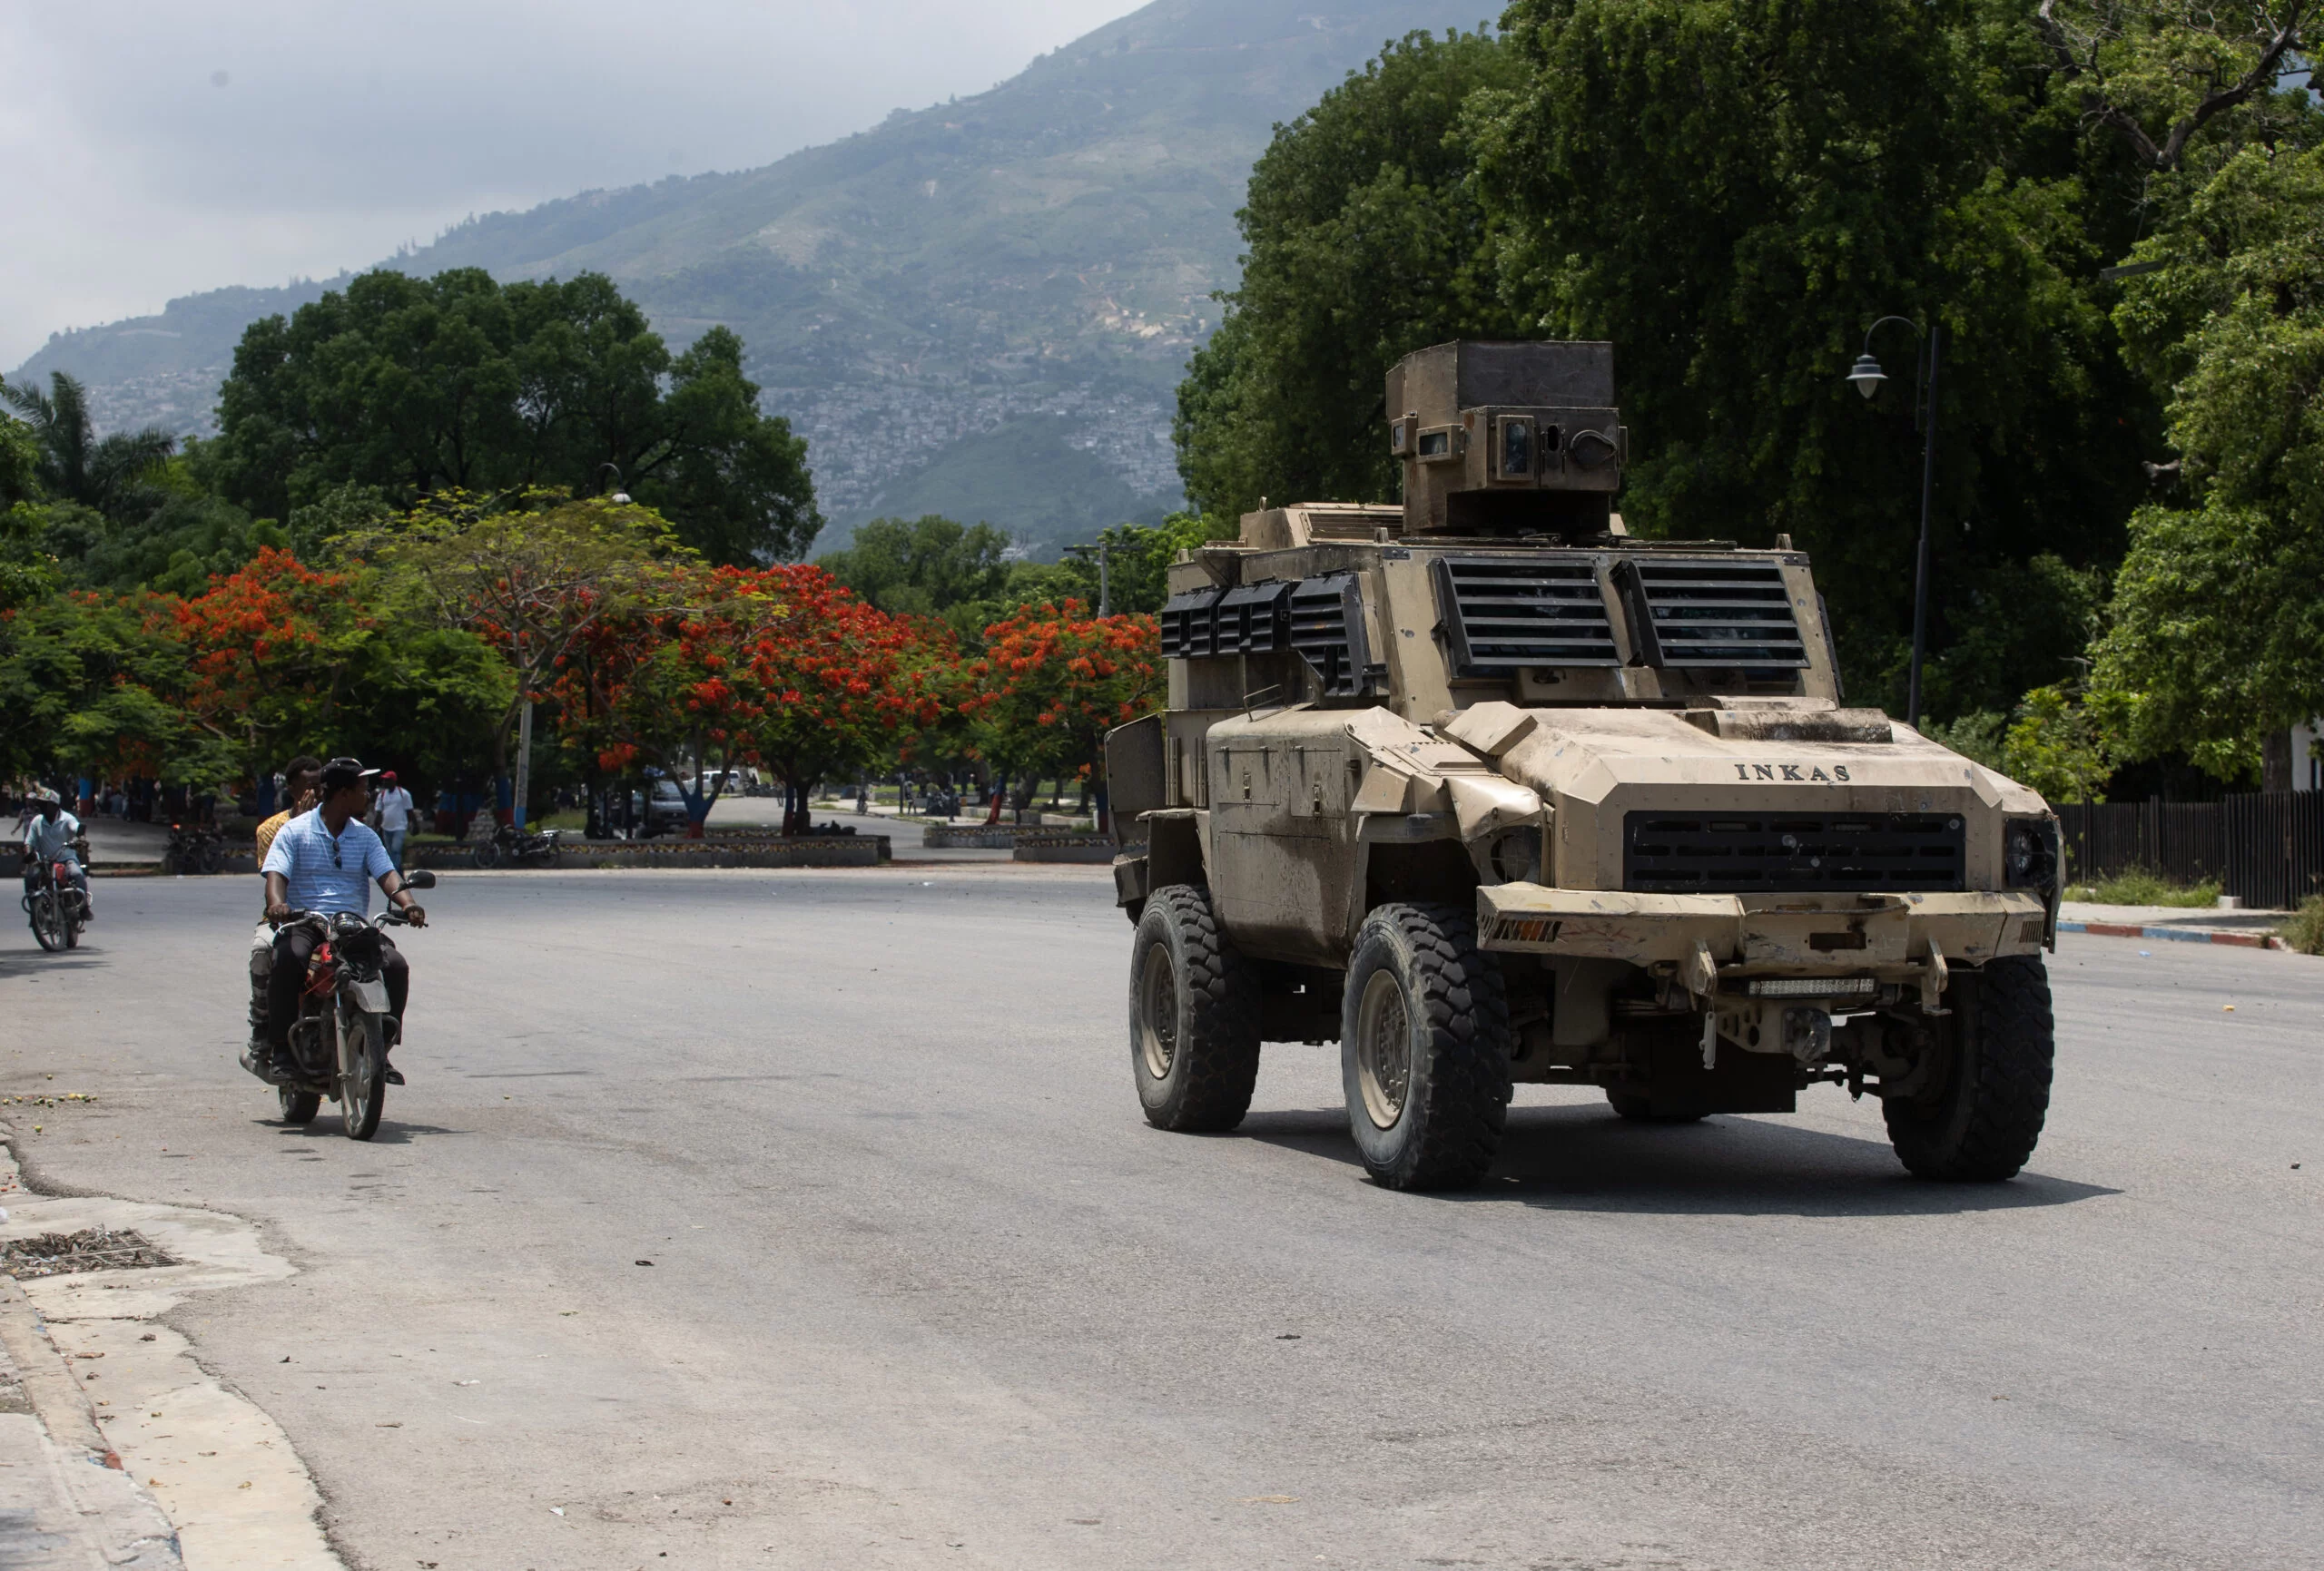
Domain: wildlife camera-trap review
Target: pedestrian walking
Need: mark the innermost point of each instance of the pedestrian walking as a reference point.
(391, 815)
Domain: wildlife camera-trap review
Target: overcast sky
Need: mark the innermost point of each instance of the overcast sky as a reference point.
(153, 150)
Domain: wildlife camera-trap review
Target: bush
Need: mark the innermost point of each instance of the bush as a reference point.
(2305, 931)
(2141, 886)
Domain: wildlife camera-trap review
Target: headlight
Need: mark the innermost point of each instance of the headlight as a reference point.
(1516, 856)
(1813, 987)
(2030, 853)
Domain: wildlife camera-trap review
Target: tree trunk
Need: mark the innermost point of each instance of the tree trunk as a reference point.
(2275, 761)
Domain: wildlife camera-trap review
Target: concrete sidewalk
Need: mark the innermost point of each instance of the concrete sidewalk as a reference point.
(65, 1499)
(116, 1447)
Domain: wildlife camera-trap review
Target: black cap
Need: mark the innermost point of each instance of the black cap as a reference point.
(341, 772)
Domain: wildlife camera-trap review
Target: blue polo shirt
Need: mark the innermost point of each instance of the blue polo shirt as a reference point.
(324, 874)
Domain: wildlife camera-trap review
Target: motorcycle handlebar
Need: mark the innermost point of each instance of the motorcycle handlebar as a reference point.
(393, 915)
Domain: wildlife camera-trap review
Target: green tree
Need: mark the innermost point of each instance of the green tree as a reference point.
(87, 682)
(923, 566)
(112, 474)
(412, 387)
(1731, 191)
(533, 582)
(19, 460)
(2058, 745)
(2215, 635)
(1368, 239)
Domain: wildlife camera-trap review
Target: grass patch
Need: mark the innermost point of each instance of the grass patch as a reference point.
(2139, 887)
(2305, 931)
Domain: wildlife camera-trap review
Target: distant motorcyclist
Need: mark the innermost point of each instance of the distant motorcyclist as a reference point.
(52, 834)
(299, 780)
(325, 861)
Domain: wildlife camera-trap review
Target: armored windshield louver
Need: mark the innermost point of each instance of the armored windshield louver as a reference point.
(1189, 625)
(1692, 613)
(1327, 629)
(1254, 619)
(1504, 616)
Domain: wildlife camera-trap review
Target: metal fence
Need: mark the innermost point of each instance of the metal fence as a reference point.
(2266, 847)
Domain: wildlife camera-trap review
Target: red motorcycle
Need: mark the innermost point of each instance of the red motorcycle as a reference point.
(338, 1043)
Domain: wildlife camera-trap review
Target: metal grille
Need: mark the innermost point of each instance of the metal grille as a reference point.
(1252, 619)
(1776, 852)
(1189, 623)
(1501, 616)
(1327, 628)
(1710, 613)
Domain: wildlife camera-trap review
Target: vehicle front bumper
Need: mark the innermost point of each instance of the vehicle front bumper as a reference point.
(1890, 935)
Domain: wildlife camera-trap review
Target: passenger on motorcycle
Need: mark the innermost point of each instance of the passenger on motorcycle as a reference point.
(49, 838)
(298, 778)
(325, 861)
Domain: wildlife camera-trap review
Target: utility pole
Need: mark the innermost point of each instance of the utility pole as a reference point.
(1105, 594)
(524, 760)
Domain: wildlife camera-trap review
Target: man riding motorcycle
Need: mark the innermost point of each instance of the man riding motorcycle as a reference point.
(51, 835)
(299, 779)
(325, 861)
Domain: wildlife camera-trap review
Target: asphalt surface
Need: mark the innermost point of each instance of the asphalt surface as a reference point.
(925, 1289)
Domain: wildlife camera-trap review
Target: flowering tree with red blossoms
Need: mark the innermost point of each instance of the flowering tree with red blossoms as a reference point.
(271, 653)
(779, 666)
(1053, 680)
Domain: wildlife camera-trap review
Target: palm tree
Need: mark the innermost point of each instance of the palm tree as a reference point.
(106, 473)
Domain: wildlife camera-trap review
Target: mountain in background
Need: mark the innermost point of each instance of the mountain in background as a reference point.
(982, 308)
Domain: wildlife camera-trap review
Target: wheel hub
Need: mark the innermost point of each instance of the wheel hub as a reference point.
(1157, 1013)
(1384, 1049)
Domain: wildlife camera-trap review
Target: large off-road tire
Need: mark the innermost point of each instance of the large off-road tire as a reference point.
(1979, 1120)
(363, 1082)
(299, 1107)
(1193, 1017)
(1638, 1108)
(1425, 1048)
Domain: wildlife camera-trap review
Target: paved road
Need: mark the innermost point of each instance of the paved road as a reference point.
(926, 1291)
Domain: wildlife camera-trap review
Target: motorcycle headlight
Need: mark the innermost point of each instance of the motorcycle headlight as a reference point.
(2030, 853)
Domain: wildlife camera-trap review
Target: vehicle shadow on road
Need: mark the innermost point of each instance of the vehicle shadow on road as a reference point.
(27, 962)
(326, 1126)
(1581, 1158)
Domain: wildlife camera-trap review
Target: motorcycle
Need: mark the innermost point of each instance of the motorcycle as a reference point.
(338, 1043)
(58, 910)
(194, 848)
(511, 844)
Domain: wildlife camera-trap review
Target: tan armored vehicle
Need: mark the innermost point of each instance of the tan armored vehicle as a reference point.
(1491, 791)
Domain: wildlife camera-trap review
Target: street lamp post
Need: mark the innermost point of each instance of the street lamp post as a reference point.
(1867, 377)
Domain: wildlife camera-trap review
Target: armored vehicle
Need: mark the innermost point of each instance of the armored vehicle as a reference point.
(1490, 790)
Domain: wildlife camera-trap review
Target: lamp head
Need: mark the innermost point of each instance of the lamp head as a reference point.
(1867, 376)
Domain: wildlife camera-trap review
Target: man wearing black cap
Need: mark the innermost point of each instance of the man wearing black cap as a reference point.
(325, 861)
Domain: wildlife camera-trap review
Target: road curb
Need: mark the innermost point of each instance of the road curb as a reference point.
(2177, 935)
(169, 1454)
